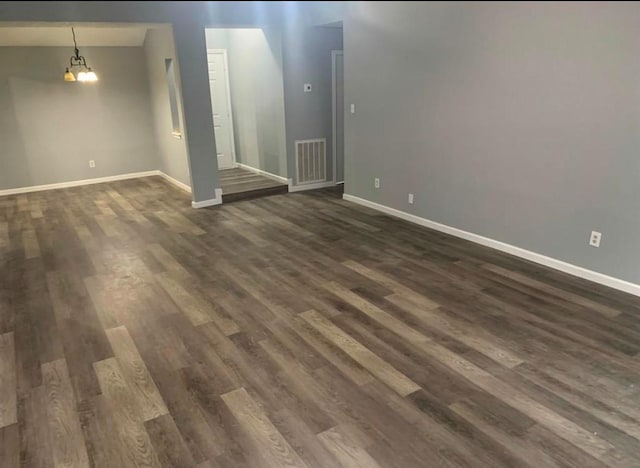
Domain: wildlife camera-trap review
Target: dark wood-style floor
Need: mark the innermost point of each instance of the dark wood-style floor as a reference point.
(240, 184)
(296, 330)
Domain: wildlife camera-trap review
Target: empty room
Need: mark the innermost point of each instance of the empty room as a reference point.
(319, 234)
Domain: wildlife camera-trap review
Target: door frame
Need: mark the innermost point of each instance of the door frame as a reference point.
(226, 73)
(334, 122)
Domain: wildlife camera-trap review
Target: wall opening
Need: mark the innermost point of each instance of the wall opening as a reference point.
(247, 91)
(173, 99)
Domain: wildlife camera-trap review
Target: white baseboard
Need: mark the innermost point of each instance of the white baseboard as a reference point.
(565, 267)
(99, 180)
(211, 202)
(303, 187)
(77, 183)
(175, 182)
(275, 177)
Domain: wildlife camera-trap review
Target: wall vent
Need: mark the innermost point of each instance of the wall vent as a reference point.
(311, 161)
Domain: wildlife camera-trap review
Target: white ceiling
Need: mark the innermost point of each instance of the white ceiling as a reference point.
(60, 36)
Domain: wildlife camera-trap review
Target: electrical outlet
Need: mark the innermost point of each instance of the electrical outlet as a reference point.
(411, 198)
(595, 238)
(92, 163)
(376, 182)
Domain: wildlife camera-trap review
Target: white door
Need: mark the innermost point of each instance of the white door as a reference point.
(221, 105)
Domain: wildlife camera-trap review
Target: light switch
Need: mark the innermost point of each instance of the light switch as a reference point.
(353, 108)
(307, 87)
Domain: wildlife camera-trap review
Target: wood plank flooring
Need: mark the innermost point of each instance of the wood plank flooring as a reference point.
(241, 184)
(296, 330)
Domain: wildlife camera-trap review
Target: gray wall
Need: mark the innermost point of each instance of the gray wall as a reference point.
(172, 152)
(307, 59)
(321, 13)
(518, 122)
(50, 129)
(257, 95)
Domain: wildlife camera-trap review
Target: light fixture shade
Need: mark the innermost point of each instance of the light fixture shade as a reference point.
(91, 75)
(68, 76)
(83, 76)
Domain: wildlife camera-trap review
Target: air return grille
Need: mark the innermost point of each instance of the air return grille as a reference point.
(311, 160)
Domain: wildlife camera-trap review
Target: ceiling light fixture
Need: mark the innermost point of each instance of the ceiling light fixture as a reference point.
(78, 61)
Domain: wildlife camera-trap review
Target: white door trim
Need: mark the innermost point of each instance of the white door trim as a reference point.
(334, 123)
(226, 73)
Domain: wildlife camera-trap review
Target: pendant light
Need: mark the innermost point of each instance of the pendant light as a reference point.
(68, 76)
(85, 74)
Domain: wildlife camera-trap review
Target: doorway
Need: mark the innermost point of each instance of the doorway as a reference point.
(247, 100)
(221, 106)
(337, 105)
